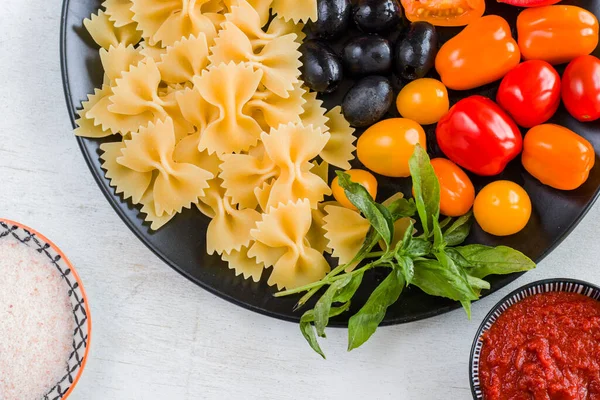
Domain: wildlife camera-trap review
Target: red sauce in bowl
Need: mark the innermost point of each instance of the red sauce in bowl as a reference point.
(547, 347)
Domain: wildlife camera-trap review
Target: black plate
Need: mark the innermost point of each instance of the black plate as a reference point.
(181, 243)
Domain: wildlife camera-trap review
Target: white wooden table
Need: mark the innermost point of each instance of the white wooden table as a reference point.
(158, 336)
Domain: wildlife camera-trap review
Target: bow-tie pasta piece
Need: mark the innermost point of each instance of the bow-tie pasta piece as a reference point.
(105, 34)
(168, 21)
(295, 10)
(291, 148)
(186, 151)
(85, 125)
(229, 87)
(229, 230)
(119, 12)
(339, 150)
(243, 265)
(196, 110)
(313, 112)
(280, 27)
(316, 233)
(149, 210)
(243, 173)
(130, 183)
(117, 60)
(278, 59)
(275, 110)
(177, 185)
(154, 52)
(346, 231)
(321, 169)
(281, 243)
(184, 60)
(263, 8)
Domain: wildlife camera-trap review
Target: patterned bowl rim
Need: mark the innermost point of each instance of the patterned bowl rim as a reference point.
(66, 260)
(546, 285)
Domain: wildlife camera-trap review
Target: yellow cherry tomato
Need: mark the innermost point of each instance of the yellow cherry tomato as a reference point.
(423, 100)
(502, 208)
(386, 147)
(363, 177)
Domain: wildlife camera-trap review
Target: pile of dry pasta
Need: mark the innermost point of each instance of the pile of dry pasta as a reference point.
(206, 99)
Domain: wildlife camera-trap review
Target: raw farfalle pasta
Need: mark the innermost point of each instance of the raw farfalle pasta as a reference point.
(207, 99)
(184, 60)
(178, 185)
(278, 59)
(281, 243)
(167, 21)
(119, 12)
(106, 34)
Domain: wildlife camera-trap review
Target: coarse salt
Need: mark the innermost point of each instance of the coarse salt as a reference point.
(36, 323)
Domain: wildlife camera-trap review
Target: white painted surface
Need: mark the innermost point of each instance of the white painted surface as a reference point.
(158, 336)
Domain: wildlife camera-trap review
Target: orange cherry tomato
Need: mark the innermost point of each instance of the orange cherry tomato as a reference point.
(502, 208)
(482, 53)
(457, 193)
(424, 101)
(444, 12)
(386, 147)
(361, 176)
(556, 34)
(557, 156)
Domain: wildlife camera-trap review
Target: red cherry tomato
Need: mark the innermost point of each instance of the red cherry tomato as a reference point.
(529, 3)
(581, 88)
(479, 136)
(530, 93)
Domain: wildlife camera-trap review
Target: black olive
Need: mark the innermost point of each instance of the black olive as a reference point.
(367, 55)
(333, 18)
(321, 67)
(375, 16)
(368, 101)
(415, 54)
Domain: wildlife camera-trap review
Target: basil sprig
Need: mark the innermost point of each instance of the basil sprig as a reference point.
(430, 260)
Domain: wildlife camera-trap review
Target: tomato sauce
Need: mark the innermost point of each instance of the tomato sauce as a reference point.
(545, 347)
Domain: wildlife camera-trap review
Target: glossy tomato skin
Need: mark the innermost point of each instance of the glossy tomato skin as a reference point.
(502, 208)
(423, 100)
(448, 13)
(386, 147)
(361, 176)
(530, 93)
(529, 3)
(457, 193)
(581, 88)
(479, 136)
(556, 34)
(557, 156)
(481, 53)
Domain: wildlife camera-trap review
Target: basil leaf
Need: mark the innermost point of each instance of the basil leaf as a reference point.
(458, 232)
(407, 267)
(401, 208)
(436, 280)
(323, 306)
(478, 284)
(466, 305)
(445, 222)
(308, 331)
(418, 247)
(484, 261)
(378, 215)
(462, 281)
(364, 323)
(348, 291)
(426, 188)
(438, 237)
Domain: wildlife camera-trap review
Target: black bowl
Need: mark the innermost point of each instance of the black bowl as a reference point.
(182, 242)
(544, 286)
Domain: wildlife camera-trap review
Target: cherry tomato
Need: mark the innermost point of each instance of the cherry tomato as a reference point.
(424, 101)
(529, 3)
(556, 34)
(557, 156)
(457, 193)
(502, 208)
(386, 147)
(361, 176)
(530, 93)
(581, 88)
(481, 53)
(444, 12)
